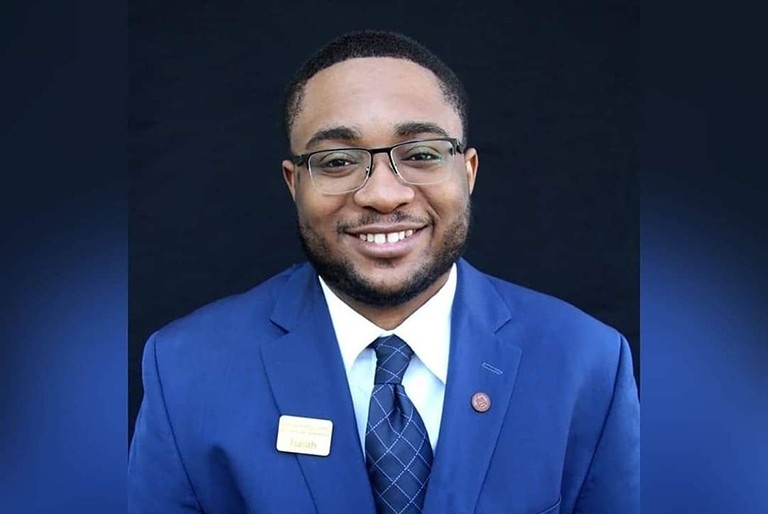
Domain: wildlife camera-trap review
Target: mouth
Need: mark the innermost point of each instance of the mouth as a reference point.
(383, 238)
(388, 242)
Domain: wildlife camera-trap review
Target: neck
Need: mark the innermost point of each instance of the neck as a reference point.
(390, 317)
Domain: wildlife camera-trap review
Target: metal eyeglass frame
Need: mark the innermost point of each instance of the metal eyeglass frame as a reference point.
(303, 159)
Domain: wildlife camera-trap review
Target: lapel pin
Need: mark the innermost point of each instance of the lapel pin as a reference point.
(481, 402)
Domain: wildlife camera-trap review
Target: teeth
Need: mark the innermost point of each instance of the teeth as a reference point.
(391, 237)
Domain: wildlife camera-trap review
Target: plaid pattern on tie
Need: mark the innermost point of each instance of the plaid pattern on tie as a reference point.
(397, 449)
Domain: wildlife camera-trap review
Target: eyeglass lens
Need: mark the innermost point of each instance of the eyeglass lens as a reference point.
(417, 162)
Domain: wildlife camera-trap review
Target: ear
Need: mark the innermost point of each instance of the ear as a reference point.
(291, 177)
(470, 165)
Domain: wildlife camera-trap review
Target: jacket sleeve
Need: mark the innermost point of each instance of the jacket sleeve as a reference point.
(612, 484)
(157, 479)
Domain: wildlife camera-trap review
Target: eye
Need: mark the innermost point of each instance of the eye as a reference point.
(335, 159)
(420, 156)
(421, 153)
(337, 162)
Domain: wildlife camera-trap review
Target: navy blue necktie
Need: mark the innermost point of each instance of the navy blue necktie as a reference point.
(397, 450)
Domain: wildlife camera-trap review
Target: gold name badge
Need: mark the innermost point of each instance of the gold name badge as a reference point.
(310, 436)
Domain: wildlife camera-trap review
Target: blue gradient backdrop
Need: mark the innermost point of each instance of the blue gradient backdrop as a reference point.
(64, 259)
(704, 251)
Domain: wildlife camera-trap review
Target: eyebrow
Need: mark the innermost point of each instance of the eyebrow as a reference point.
(413, 128)
(350, 135)
(340, 133)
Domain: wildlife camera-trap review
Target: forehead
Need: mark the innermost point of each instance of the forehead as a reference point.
(372, 95)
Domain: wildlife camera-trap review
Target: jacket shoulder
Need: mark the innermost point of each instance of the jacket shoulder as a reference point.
(230, 317)
(553, 322)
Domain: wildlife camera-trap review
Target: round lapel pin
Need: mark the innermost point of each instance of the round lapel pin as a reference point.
(481, 402)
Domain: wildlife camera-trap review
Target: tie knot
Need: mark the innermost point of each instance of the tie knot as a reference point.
(392, 358)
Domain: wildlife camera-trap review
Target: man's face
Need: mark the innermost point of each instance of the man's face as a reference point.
(373, 103)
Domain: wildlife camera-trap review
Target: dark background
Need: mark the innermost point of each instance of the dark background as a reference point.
(64, 260)
(554, 114)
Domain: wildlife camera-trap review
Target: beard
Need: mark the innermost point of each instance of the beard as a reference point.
(340, 273)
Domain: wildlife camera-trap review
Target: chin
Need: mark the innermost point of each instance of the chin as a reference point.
(384, 282)
(387, 292)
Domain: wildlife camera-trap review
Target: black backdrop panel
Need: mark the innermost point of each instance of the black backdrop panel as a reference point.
(554, 114)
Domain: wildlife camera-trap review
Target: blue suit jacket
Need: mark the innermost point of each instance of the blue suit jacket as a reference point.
(561, 436)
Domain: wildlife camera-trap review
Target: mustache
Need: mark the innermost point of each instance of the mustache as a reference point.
(387, 219)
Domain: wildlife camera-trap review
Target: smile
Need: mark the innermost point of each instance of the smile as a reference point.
(385, 238)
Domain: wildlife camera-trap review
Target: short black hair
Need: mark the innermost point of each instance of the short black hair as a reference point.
(373, 43)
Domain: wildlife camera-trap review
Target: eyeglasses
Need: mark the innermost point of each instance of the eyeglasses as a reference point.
(343, 170)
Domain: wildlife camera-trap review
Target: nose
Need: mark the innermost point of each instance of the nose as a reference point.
(384, 191)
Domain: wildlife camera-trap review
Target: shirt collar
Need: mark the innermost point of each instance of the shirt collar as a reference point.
(427, 331)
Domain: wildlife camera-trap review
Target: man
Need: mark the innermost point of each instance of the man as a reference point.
(387, 374)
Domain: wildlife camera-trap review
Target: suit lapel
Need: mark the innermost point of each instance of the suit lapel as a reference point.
(307, 378)
(479, 362)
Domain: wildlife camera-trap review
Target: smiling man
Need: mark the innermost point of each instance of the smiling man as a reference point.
(386, 375)
(385, 241)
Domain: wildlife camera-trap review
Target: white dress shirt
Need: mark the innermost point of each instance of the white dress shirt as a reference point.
(427, 331)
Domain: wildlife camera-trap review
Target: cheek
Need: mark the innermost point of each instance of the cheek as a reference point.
(450, 204)
(320, 211)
